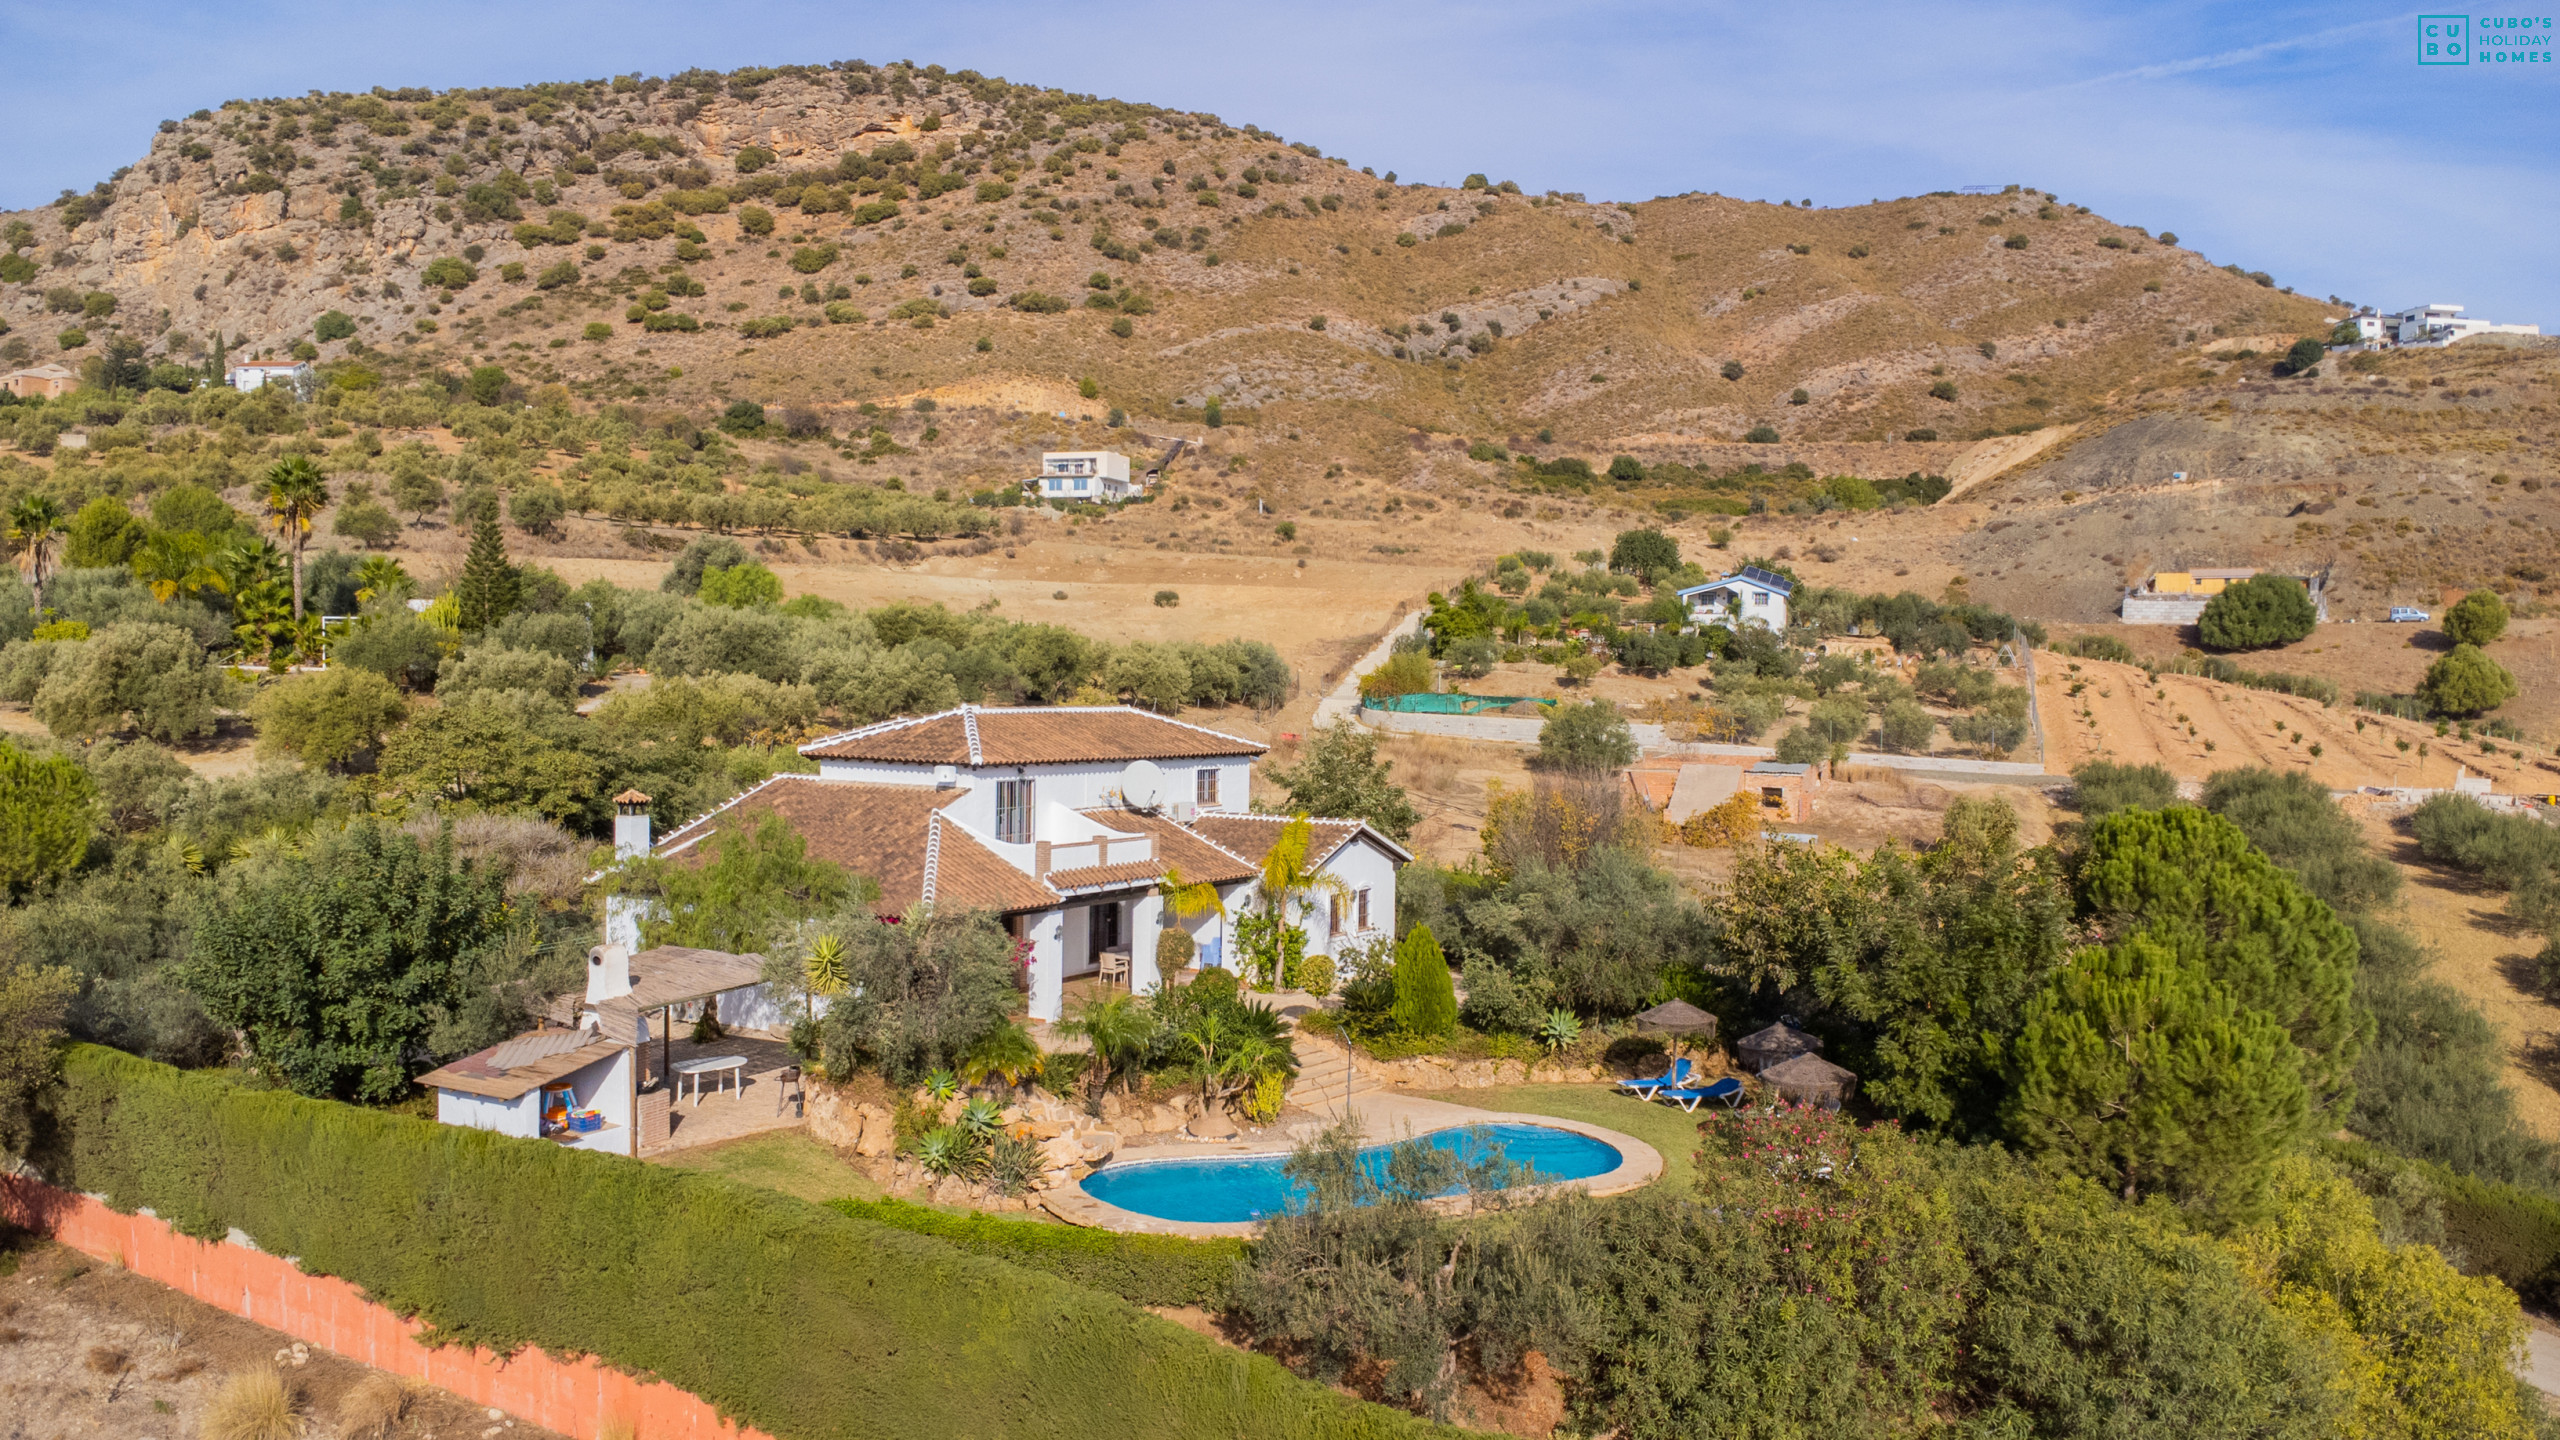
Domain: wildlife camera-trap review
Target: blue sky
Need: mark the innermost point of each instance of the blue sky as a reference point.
(2301, 139)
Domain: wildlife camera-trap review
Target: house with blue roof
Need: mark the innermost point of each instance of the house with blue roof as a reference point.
(1749, 596)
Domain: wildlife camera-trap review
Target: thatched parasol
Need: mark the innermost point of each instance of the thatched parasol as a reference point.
(1809, 1079)
(1763, 1048)
(1678, 1019)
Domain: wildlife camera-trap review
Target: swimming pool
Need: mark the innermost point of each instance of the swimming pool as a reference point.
(1248, 1187)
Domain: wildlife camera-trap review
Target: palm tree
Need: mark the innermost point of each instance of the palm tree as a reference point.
(172, 561)
(295, 495)
(1290, 883)
(1120, 1029)
(35, 529)
(380, 575)
(1006, 1053)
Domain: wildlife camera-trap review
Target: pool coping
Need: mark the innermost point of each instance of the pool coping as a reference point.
(1387, 1118)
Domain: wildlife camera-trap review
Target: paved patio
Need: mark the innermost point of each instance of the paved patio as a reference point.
(725, 1113)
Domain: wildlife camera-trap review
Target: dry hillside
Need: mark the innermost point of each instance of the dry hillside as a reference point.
(1445, 312)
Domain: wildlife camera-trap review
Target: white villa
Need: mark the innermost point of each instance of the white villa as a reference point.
(1084, 475)
(258, 374)
(1065, 821)
(1751, 596)
(2433, 324)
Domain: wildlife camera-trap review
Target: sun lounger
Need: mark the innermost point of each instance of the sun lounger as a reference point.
(1728, 1090)
(1677, 1075)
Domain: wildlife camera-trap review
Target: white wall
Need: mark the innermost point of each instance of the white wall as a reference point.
(1067, 787)
(1361, 866)
(603, 1086)
(1140, 919)
(521, 1116)
(755, 1007)
(1047, 933)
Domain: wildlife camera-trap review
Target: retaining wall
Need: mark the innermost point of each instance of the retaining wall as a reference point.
(577, 1396)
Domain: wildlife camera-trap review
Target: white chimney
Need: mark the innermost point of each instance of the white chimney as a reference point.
(608, 973)
(630, 825)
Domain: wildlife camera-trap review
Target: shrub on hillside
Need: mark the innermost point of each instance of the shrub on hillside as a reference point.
(2256, 613)
(2466, 682)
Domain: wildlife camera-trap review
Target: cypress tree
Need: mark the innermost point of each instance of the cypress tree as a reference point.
(1426, 1003)
(489, 587)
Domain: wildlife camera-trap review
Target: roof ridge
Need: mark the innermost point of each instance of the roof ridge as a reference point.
(969, 723)
(932, 856)
(877, 727)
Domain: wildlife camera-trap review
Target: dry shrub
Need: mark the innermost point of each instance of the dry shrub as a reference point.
(540, 858)
(252, 1405)
(618, 1430)
(1559, 821)
(1427, 765)
(373, 1406)
(106, 1360)
(1731, 821)
(11, 1334)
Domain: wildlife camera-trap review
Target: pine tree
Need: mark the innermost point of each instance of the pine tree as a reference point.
(489, 587)
(2138, 1071)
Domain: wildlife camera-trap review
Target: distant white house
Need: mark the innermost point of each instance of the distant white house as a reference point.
(1084, 475)
(1751, 596)
(2442, 324)
(257, 374)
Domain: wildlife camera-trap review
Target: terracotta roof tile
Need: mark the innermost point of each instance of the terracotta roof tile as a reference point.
(878, 831)
(1252, 836)
(969, 874)
(1180, 848)
(1046, 735)
(1085, 877)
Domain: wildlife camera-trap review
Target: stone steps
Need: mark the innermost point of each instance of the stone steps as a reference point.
(1322, 1071)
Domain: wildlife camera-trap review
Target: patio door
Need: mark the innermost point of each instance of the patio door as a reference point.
(1103, 928)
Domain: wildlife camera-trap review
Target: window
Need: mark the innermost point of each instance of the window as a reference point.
(1361, 897)
(1080, 484)
(1013, 811)
(1340, 907)
(1773, 797)
(1204, 785)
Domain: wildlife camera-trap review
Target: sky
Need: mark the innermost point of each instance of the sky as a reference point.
(2301, 139)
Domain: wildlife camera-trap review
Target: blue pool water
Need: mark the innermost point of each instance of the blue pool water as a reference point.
(1251, 1187)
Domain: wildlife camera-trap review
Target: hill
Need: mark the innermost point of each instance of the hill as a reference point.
(951, 213)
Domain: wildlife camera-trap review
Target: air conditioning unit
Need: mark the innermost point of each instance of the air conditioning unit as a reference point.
(946, 777)
(1183, 811)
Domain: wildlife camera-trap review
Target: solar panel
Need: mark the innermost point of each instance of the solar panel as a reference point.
(1759, 576)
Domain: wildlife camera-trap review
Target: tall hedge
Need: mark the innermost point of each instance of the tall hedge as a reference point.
(790, 1317)
(1141, 1269)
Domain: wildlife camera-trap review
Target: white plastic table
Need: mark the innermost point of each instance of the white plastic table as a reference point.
(694, 1070)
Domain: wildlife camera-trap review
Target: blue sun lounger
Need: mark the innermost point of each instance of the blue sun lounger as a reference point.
(1676, 1076)
(1728, 1090)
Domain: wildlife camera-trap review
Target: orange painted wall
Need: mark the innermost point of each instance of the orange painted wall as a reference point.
(577, 1396)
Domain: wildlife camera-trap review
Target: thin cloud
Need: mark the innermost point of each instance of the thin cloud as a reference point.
(2228, 58)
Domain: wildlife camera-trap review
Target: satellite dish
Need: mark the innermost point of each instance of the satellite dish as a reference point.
(1141, 785)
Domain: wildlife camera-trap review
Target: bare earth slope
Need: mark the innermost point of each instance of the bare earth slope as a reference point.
(1449, 311)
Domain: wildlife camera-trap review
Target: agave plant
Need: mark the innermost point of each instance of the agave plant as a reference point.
(1559, 1030)
(941, 1085)
(948, 1150)
(1012, 1164)
(981, 1117)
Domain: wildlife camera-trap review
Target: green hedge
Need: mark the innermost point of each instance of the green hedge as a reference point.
(2503, 1230)
(1141, 1269)
(790, 1317)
